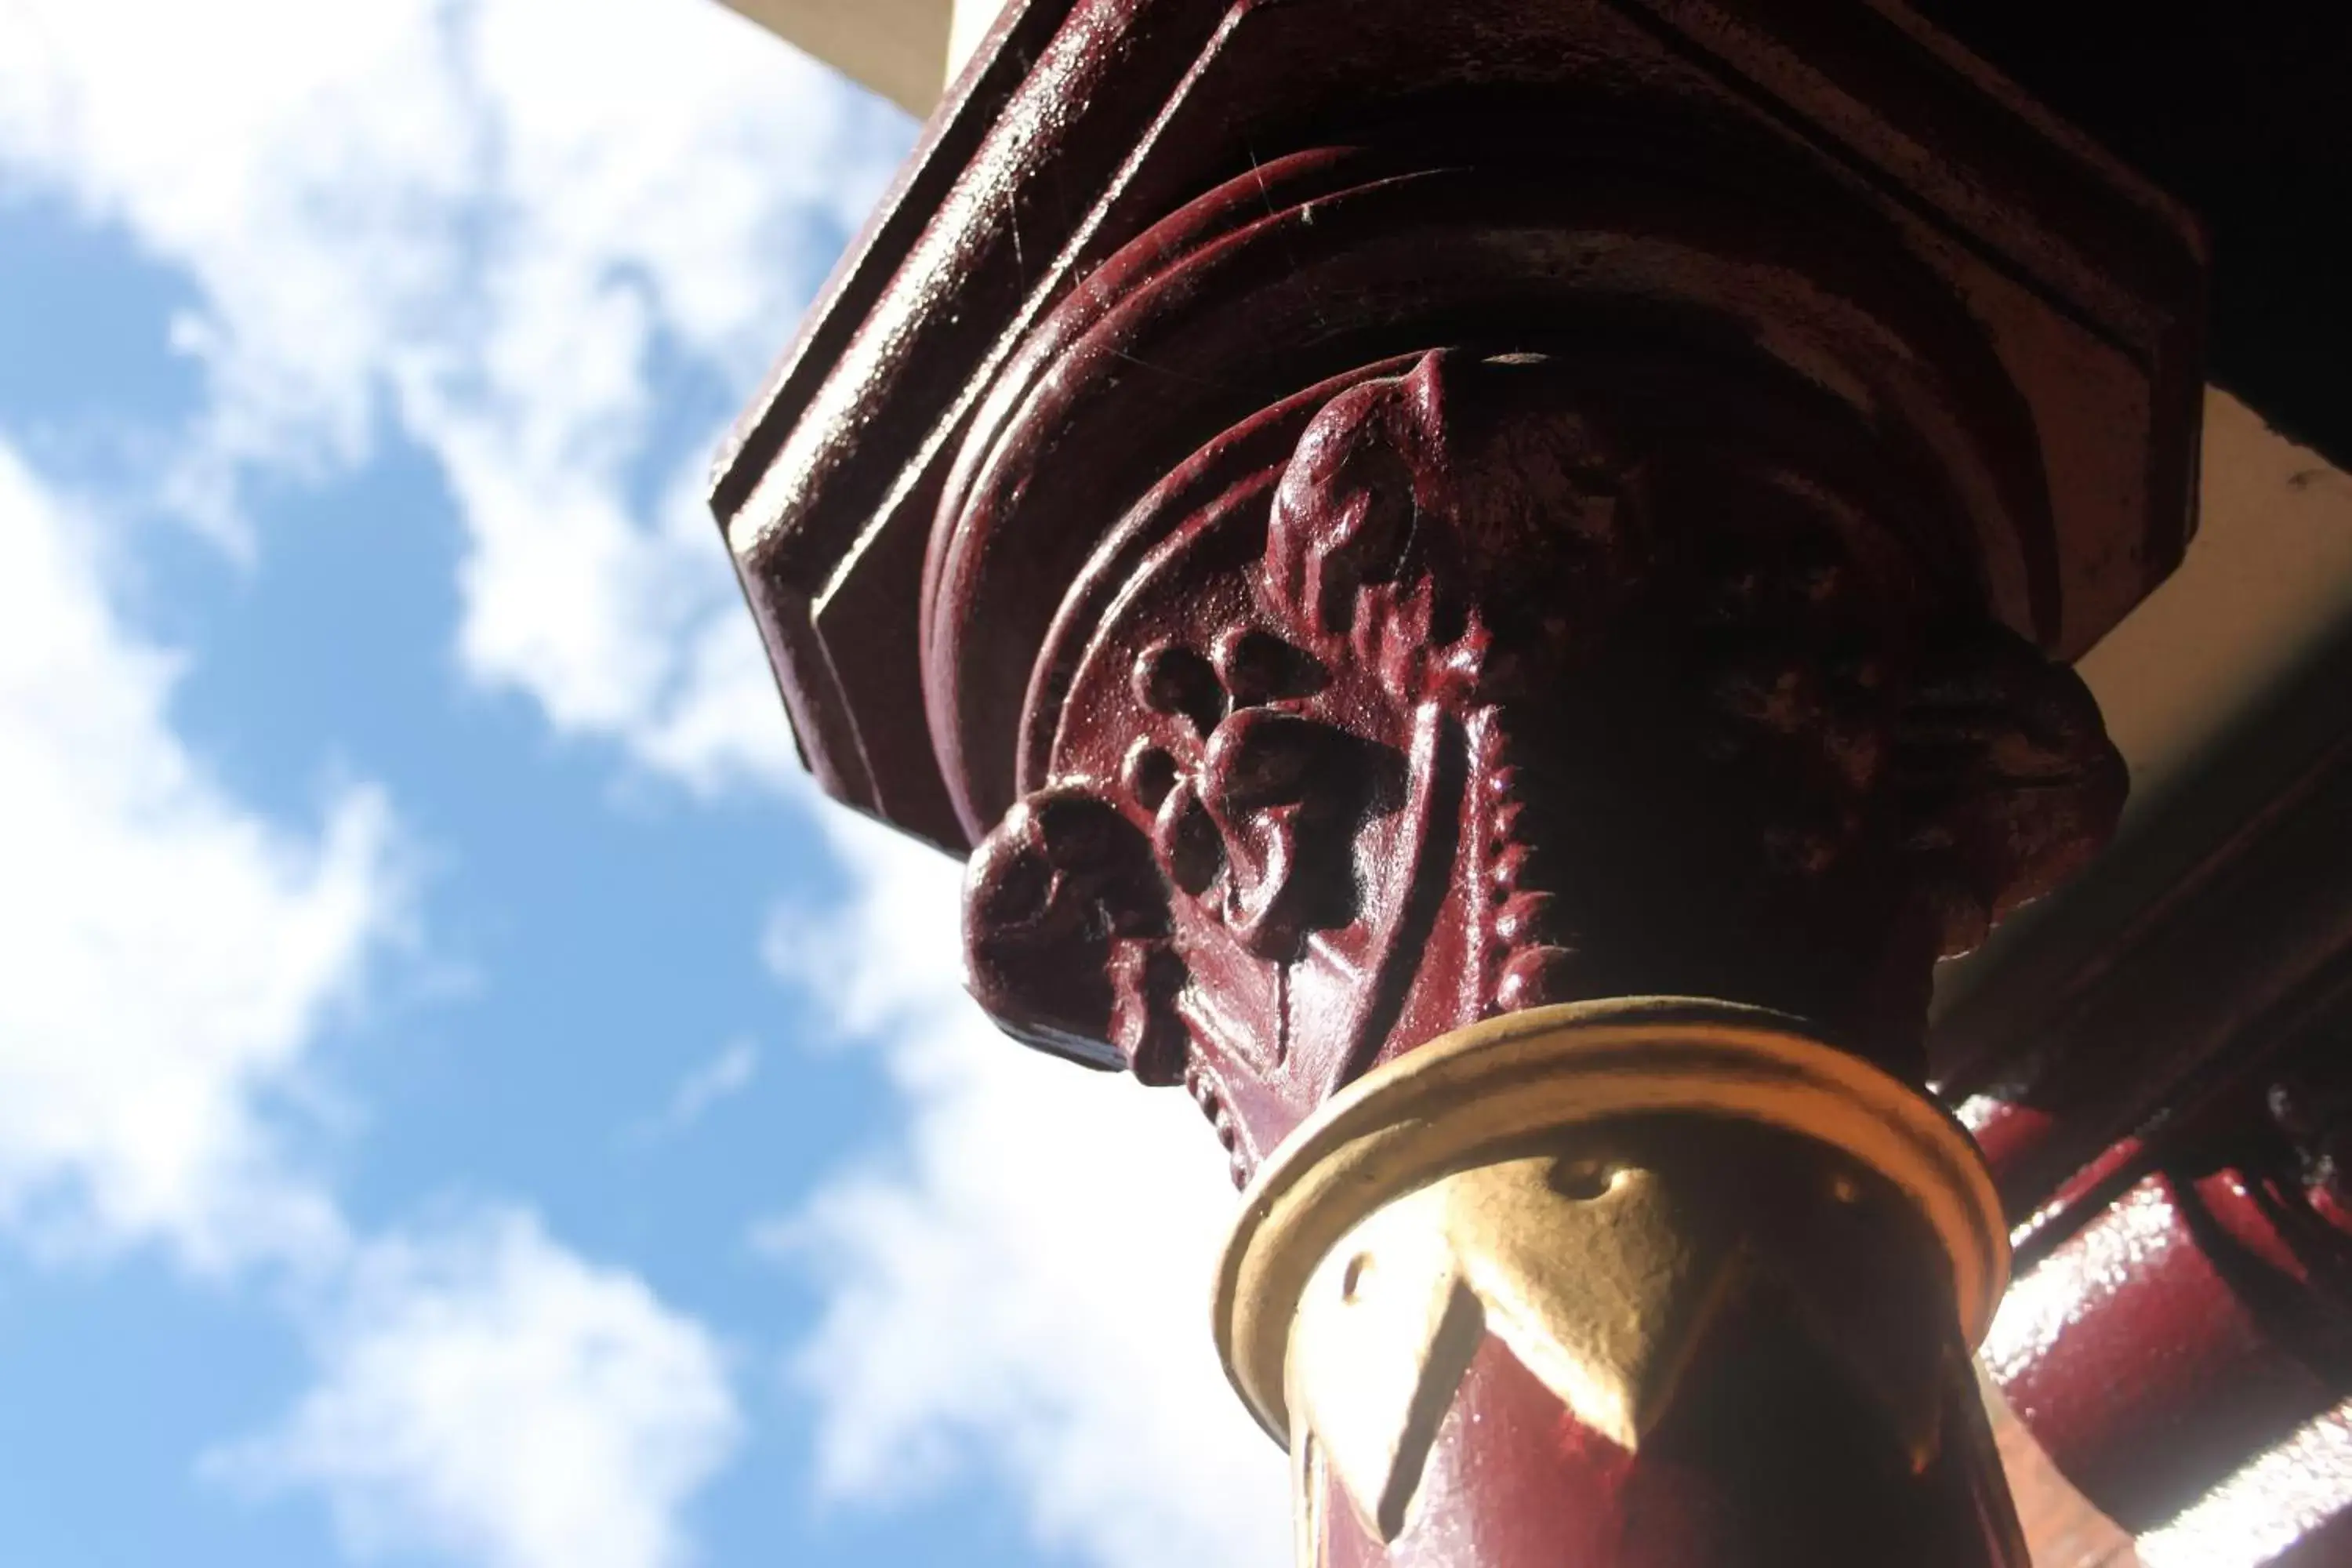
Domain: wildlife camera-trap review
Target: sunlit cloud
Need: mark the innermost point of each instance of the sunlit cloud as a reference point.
(485, 1395)
(173, 954)
(722, 1078)
(443, 223)
(472, 225)
(175, 959)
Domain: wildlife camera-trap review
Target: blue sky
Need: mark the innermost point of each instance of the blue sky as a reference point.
(462, 1099)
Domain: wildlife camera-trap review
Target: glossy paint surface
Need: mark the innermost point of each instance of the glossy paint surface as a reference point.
(1369, 517)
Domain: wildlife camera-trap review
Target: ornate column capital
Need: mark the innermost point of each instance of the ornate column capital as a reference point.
(1517, 679)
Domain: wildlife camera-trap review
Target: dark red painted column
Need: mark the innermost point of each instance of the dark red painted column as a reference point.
(1757, 1474)
(1391, 531)
(2141, 1352)
(1518, 680)
(2182, 1344)
(2179, 1339)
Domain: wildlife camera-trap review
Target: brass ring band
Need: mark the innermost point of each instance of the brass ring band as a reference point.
(1473, 1092)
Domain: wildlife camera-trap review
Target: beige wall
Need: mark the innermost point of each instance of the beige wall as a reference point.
(897, 48)
(904, 49)
(2267, 579)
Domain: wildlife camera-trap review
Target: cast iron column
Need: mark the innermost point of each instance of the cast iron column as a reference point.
(1489, 586)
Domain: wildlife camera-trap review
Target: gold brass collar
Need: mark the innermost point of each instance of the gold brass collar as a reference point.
(1476, 1096)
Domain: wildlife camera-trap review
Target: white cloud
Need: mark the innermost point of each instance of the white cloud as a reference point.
(172, 956)
(494, 224)
(723, 1076)
(1021, 1286)
(488, 1396)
